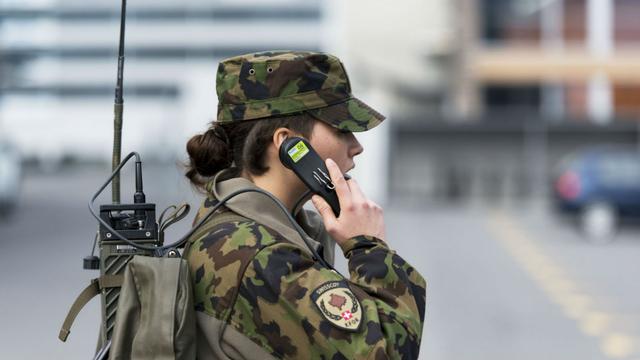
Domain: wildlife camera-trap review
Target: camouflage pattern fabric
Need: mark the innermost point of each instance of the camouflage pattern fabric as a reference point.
(263, 285)
(268, 84)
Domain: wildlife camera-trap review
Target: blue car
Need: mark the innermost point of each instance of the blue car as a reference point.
(602, 186)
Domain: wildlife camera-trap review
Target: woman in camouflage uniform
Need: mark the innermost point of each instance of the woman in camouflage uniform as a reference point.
(258, 291)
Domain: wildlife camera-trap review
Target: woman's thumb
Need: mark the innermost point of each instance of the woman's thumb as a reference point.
(324, 209)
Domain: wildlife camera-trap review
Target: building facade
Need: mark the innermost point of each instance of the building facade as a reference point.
(58, 61)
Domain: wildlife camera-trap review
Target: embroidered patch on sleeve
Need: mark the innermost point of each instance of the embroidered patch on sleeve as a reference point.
(338, 304)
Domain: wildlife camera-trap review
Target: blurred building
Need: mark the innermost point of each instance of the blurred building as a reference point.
(494, 92)
(560, 59)
(58, 68)
(483, 96)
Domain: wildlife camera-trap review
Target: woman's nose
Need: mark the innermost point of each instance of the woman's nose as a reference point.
(355, 148)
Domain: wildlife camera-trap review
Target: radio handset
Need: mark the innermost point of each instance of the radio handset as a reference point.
(297, 154)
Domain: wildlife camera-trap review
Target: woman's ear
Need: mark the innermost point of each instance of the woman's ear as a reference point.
(280, 135)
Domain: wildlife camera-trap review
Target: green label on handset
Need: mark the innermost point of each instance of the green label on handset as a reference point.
(298, 151)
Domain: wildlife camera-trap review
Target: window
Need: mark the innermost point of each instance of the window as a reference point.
(511, 21)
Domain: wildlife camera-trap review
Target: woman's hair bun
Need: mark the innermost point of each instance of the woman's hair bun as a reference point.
(208, 153)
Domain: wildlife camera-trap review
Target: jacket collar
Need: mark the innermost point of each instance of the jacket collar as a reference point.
(264, 210)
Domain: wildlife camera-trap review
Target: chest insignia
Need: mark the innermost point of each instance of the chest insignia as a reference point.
(338, 304)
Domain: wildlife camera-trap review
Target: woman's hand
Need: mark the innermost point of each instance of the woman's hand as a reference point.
(358, 215)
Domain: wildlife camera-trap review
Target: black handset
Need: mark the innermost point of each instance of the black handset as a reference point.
(297, 154)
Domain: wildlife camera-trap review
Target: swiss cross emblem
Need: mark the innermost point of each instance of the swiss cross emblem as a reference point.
(338, 305)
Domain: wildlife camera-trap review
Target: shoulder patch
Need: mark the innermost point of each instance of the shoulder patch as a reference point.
(339, 305)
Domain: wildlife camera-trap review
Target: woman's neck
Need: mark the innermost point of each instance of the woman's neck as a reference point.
(282, 184)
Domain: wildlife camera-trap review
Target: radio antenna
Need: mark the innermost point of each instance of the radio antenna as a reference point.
(118, 106)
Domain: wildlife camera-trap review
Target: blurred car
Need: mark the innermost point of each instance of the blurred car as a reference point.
(601, 186)
(10, 176)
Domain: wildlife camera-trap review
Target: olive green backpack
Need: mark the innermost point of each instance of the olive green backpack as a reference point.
(155, 317)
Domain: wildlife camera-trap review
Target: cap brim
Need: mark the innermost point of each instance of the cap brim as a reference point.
(352, 115)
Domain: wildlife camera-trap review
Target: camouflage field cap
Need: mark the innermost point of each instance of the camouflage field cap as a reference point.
(267, 84)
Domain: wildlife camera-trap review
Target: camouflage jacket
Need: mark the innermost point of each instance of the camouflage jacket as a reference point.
(259, 295)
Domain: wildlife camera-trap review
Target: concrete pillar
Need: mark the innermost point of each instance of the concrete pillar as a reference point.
(552, 24)
(464, 96)
(600, 43)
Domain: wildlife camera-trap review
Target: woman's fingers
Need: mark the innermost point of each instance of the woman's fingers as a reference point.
(358, 215)
(342, 189)
(357, 196)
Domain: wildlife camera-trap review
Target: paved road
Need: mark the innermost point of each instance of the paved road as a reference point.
(504, 283)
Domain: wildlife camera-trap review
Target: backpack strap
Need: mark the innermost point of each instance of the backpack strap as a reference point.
(93, 289)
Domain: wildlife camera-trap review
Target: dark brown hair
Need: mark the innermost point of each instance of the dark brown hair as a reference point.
(241, 144)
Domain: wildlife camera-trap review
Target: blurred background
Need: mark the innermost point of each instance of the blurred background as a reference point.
(508, 166)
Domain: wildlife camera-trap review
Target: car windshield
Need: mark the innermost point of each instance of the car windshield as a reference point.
(620, 170)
